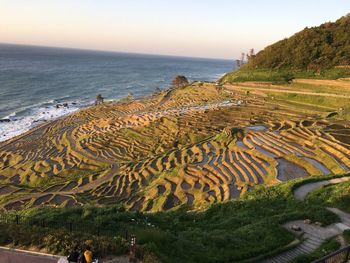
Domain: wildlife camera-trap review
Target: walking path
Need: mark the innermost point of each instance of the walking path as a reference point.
(11, 255)
(301, 192)
(8, 255)
(313, 235)
(287, 91)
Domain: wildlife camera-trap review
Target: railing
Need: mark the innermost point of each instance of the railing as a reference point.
(339, 256)
(70, 226)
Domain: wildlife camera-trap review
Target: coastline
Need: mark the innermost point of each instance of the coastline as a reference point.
(27, 128)
(43, 125)
(33, 96)
(16, 126)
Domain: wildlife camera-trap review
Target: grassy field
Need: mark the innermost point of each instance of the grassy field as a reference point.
(333, 196)
(283, 75)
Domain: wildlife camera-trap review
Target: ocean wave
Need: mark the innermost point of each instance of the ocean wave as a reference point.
(14, 125)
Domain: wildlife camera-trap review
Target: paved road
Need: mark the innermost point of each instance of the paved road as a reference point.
(301, 192)
(12, 256)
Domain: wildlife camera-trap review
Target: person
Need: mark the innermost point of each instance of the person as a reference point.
(88, 254)
(62, 260)
(81, 257)
(73, 255)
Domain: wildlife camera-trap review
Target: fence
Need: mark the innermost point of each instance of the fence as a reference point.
(339, 256)
(81, 226)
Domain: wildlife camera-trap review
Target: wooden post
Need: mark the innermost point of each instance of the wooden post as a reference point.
(132, 252)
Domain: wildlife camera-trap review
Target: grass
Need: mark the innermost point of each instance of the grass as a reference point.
(346, 235)
(330, 102)
(215, 235)
(337, 195)
(283, 75)
(318, 88)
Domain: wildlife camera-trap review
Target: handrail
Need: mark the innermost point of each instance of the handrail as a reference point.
(339, 256)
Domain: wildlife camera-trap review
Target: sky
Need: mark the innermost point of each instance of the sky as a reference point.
(196, 28)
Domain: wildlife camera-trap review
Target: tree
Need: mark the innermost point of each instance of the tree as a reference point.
(99, 99)
(242, 58)
(157, 90)
(238, 63)
(322, 47)
(180, 81)
(251, 54)
(130, 95)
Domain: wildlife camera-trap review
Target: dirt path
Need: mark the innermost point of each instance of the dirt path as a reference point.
(332, 83)
(105, 178)
(235, 87)
(166, 97)
(314, 235)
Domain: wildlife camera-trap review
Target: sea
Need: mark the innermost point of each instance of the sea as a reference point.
(40, 84)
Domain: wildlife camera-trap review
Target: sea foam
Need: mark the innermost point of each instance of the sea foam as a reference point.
(16, 125)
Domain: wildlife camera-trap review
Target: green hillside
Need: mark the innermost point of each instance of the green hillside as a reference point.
(318, 52)
(315, 48)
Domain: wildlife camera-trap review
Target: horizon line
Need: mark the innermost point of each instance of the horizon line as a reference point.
(115, 52)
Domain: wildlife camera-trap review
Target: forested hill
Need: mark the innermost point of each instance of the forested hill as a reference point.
(315, 48)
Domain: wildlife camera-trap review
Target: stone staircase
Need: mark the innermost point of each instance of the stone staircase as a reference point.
(310, 244)
(313, 235)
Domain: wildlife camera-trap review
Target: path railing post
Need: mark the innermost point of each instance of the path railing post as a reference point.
(132, 252)
(347, 254)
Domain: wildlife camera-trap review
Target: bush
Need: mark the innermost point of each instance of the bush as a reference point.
(4, 237)
(346, 235)
(59, 241)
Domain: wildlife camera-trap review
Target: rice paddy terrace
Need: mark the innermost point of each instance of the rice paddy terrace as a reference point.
(189, 146)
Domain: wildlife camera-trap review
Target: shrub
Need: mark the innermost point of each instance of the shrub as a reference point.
(180, 81)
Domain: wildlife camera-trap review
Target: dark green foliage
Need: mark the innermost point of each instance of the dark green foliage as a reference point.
(180, 81)
(320, 52)
(59, 241)
(313, 49)
(220, 234)
(337, 195)
(346, 235)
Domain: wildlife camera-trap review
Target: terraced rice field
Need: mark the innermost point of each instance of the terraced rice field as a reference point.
(190, 146)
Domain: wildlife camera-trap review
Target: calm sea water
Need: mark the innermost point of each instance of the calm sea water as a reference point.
(33, 80)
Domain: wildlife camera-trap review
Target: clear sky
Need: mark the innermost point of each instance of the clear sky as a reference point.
(201, 28)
